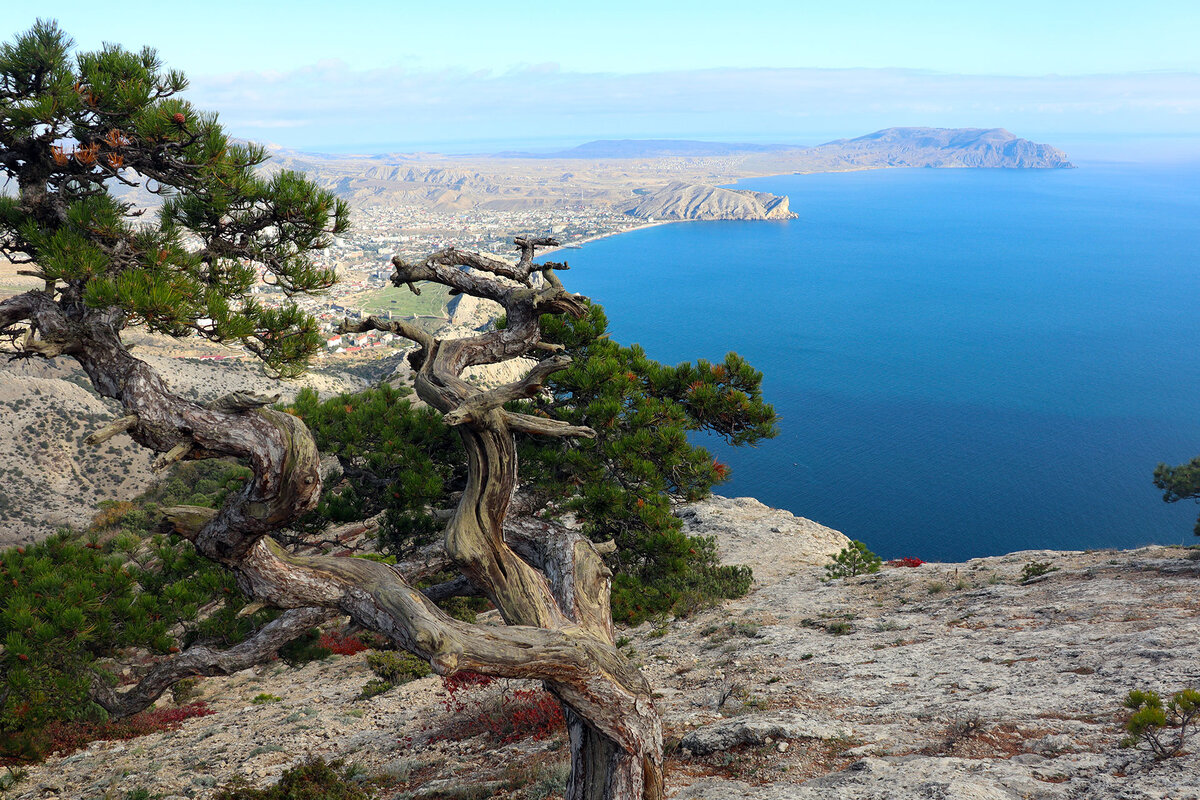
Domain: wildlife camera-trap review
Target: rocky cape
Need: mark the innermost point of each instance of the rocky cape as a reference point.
(702, 201)
(943, 681)
(943, 147)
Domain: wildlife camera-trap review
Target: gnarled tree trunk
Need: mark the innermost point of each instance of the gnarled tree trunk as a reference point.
(550, 584)
(537, 575)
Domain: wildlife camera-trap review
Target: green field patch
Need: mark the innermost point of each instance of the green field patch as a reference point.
(400, 301)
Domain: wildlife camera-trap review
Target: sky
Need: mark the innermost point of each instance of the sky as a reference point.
(356, 76)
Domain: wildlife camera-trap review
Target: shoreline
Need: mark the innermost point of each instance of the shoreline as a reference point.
(752, 177)
(587, 240)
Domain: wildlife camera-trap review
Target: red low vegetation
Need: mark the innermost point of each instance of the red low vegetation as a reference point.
(67, 737)
(340, 644)
(515, 715)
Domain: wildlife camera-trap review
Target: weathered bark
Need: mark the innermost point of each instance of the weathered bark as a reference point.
(559, 580)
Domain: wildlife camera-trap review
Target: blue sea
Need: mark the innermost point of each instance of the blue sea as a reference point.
(966, 362)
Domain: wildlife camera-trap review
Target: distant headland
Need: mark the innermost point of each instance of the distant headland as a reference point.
(944, 147)
(607, 181)
(703, 201)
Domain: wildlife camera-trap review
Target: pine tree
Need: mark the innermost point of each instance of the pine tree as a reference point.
(1180, 482)
(74, 130)
(394, 458)
(622, 484)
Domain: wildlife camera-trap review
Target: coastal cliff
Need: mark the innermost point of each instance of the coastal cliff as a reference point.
(703, 201)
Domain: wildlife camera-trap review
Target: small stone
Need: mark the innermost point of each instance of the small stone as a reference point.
(782, 747)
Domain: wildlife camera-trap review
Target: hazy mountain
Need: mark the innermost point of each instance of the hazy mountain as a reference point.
(943, 147)
(654, 148)
(604, 174)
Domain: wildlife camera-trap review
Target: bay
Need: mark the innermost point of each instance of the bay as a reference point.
(966, 362)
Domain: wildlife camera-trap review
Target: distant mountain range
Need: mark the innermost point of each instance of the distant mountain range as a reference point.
(653, 148)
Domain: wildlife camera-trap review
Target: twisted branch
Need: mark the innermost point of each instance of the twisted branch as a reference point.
(201, 660)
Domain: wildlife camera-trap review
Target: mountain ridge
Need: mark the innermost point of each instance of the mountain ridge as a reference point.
(946, 147)
(653, 148)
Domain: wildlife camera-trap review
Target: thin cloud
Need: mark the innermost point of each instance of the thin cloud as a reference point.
(336, 105)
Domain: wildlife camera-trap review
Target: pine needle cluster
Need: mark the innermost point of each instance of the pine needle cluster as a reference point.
(623, 485)
(81, 134)
(75, 604)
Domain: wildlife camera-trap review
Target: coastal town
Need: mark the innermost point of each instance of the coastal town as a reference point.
(362, 258)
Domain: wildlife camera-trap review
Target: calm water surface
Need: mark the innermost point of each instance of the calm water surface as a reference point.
(966, 362)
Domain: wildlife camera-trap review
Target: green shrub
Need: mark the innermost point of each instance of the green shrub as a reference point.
(854, 559)
(303, 649)
(79, 597)
(1161, 729)
(185, 690)
(266, 699)
(839, 627)
(11, 777)
(1036, 569)
(374, 687)
(397, 667)
(312, 780)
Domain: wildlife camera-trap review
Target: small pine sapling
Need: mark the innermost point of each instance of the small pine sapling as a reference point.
(854, 559)
(1163, 729)
(1036, 569)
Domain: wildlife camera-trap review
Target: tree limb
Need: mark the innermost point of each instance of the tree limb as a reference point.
(177, 453)
(405, 329)
(543, 426)
(112, 429)
(200, 660)
(458, 587)
(474, 407)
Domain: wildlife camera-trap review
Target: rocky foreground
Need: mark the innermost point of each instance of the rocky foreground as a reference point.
(947, 681)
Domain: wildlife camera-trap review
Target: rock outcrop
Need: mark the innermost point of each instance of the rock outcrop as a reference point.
(702, 201)
(757, 729)
(776, 542)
